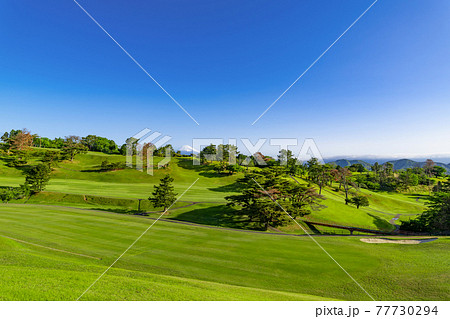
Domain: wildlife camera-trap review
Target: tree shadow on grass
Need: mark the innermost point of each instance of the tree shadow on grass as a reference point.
(126, 211)
(220, 215)
(24, 168)
(202, 170)
(418, 197)
(233, 187)
(381, 223)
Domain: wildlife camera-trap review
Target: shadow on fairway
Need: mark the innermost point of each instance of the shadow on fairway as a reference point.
(418, 197)
(233, 187)
(381, 223)
(220, 215)
(202, 170)
(24, 168)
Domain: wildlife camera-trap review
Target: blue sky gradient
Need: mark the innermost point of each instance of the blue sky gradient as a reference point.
(383, 89)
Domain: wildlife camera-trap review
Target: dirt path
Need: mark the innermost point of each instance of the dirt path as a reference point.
(393, 220)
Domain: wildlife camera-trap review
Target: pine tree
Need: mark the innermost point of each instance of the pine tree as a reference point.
(37, 177)
(163, 195)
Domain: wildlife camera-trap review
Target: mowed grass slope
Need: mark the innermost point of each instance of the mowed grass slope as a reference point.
(180, 262)
(81, 177)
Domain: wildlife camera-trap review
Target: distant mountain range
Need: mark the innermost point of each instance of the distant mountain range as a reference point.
(398, 164)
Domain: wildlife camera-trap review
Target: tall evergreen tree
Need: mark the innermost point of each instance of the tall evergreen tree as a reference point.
(163, 195)
(38, 177)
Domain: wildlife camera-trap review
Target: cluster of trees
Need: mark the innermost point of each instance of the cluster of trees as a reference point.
(285, 164)
(165, 150)
(23, 139)
(10, 193)
(219, 153)
(100, 144)
(226, 168)
(222, 158)
(17, 145)
(91, 143)
(383, 177)
(267, 198)
(324, 174)
(36, 179)
(436, 219)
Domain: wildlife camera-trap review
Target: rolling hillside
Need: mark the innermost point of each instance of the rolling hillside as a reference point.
(80, 184)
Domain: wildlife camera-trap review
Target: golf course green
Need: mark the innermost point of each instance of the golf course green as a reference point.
(56, 243)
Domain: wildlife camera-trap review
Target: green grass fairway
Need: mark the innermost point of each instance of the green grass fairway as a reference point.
(81, 177)
(180, 262)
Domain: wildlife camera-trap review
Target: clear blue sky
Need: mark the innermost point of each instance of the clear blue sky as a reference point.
(383, 89)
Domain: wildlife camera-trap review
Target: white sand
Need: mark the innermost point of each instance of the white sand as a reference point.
(396, 241)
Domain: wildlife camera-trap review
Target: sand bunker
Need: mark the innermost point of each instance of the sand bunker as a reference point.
(396, 241)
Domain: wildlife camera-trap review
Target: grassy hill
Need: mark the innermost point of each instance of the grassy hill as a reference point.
(183, 262)
(81, 184)
(56, 243)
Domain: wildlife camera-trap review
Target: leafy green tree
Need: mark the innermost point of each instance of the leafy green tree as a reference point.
(10, 193)
(436, 219)
(37, 177)
(220, 167)
(343, 176)
(376, 168)
(73, 146)
(8, 139)
(357, 167)
(428, 167)
(6, 195)
(256, 205)
(262, 206)
(100, 144)
(359, 200)
(163, 194)
(234, 168)
(297, 169)
(360, 180)
(166, 150)
(387, 170)
(313, 169)
(227, 152)
(51, 157)
(323, 176)
(413, 179)
(208, 153)
(439, 171)
(284, 156)
(241, 159)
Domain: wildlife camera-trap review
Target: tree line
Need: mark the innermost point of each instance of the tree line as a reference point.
(436, 218)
